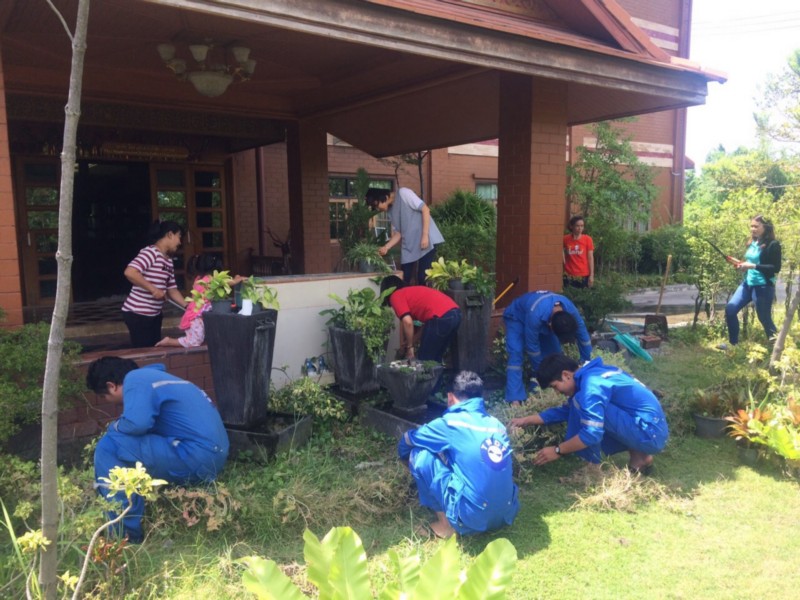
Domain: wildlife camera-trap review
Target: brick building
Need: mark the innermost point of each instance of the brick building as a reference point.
(230, 136)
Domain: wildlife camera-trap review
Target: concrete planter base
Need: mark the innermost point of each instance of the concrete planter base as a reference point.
(279, 434)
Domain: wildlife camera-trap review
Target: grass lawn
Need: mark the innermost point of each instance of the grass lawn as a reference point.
(703, 526)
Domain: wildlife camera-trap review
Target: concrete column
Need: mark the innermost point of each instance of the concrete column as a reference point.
(532, 182)
(307, 167)
(10, 277)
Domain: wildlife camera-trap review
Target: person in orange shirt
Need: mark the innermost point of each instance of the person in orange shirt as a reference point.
(578, 255)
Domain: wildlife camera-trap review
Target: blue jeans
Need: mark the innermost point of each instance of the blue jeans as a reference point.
(762, 296)
(437, 334)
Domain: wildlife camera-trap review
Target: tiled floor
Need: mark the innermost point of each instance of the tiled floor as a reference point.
(98, 325)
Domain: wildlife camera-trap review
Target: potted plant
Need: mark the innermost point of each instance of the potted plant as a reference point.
(260, 294)
(410, 383)
(366, 257)
(216, 288)
(709, 409)
(359, 332)
(745, 426)
(472, 289)
(240, 350)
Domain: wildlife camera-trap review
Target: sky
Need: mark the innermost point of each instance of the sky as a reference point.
(746, 40)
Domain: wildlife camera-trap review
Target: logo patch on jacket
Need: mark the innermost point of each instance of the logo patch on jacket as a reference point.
(494, 453)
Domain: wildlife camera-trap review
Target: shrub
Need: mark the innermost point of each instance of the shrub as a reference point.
(596, 303)
(23, 355)
(469, 226)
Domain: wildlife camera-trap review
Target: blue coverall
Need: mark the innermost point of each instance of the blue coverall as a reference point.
(527, 322)
(611, 412)
(171, 427)
(462, 465)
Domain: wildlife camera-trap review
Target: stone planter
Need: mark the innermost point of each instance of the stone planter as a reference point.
(469, 349)
(710, 427)
(278, 434)
(408, 388)
(748, 455)
(353, 368)
(649, 342)
(240, 349)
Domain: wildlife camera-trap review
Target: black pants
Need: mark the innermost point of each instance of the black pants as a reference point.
(423, 264)
(145, 331)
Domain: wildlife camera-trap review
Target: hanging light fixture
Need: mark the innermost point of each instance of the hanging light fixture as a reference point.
(210, 78)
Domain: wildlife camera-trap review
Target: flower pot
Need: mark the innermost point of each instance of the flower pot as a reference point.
(353, 368)
(455, 284)
(748, 455)
(710, 427)
(469, 349)
(240, 349)
(409, 389)
(222, 306)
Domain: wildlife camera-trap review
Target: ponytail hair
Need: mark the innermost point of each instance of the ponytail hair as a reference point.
(160, 229)
(769, 231)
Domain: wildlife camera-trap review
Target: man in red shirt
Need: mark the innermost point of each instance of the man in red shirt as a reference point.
(437, 312)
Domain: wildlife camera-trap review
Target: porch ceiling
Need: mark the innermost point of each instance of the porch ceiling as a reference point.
(384, 80)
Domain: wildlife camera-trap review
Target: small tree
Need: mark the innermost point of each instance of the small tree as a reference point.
(612, 189)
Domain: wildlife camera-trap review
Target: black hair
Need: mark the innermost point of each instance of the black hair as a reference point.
(551, 368)
(564, 326)
(392, 281)
(160, 229)
(574, 220)
(769, 231)
(467, 385)
(108, 368)
(375, 196)
(204, 264)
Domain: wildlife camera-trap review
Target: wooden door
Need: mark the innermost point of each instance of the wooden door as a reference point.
(194, 196)
(37, 205)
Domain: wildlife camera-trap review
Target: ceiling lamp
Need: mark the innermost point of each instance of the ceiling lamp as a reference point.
(210, 78)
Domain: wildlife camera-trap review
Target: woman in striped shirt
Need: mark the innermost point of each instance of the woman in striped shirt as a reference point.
(153, 278)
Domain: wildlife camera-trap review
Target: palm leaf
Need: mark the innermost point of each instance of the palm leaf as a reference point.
(264, 579)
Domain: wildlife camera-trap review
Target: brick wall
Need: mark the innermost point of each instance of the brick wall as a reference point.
(10, 280)
(459, 171)
(90, 417)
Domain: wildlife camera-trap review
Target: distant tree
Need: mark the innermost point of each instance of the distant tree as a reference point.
(613, 190)
(779, 116)
(414, 159)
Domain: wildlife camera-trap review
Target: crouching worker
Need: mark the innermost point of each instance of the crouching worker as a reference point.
(167, 424)
(461, 463)
(608, 411)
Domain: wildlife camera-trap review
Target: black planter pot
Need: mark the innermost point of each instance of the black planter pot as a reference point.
(469, 348)
(409, 390)
(240, 349)
(353, 368)
(710, 427)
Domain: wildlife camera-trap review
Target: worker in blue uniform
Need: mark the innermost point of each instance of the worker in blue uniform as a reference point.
(536, 324)
(608, 411)
(461, 463)
(167, 424)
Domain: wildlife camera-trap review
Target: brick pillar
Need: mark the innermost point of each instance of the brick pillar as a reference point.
(532, 182)
(10, 279)
(307, 167)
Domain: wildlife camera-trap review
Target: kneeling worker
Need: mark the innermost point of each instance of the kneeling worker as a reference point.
(461, 463)
(536, 324)
(608, 410)
(167, 424)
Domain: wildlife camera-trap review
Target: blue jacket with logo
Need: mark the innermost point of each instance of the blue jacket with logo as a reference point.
(475, 455)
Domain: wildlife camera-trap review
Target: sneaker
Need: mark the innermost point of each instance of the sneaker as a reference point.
(309, 367)
(722, 346)
(322, 366)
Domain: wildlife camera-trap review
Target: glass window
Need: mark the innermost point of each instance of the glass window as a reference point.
(41, 172)
(213, 240)
(43, 220)
(38, 196)
(172, 199)
(208, 199)
(486, 190)
(170, 178)
(342, 196)
(48, 266)
(46, 243)
(207, 179)
(178, 217)
(209, 219)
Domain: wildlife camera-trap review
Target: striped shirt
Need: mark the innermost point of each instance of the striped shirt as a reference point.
(158, 270)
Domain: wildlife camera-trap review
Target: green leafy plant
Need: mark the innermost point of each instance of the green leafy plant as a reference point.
(443, 272)
(23, 355)
(364, 311)
(337, 566)
(216, 288)
(606, 297)
(469, 226)
(260, 293)
(367, 252)
(304, 396)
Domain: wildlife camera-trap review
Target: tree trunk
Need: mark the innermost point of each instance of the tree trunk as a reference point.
(55, 345)
(780, 341)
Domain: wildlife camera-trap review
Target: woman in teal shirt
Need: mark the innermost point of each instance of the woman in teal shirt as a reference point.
(762, 261)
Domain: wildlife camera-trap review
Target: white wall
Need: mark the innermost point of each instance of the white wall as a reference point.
(301, 332)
